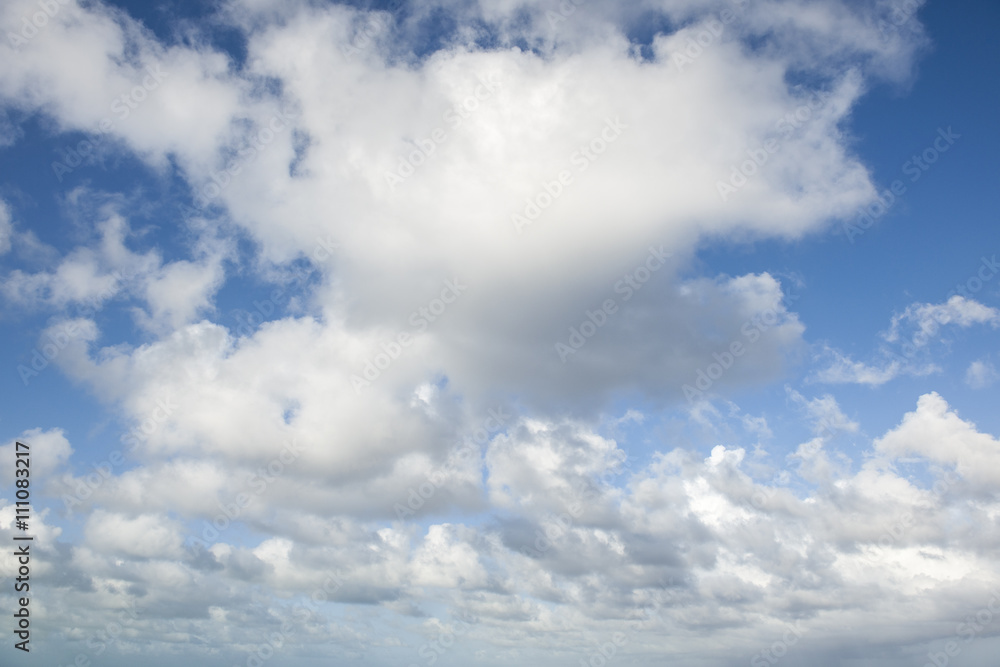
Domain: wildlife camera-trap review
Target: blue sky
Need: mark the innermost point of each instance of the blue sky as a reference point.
(382, 202)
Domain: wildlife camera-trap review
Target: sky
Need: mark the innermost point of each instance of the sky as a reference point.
(490, 332)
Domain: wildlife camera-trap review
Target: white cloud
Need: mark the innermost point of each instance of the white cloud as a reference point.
(91, 276)
(690, 537)
(47, 452)
(909, 336)
(87, 275)
(549, 541)
(928, 318)
(447, 558)
(825, 414)
(936, 432)
(144, 536)
(844, 370)
(542, 468)
(181, 291)
(981, 374)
